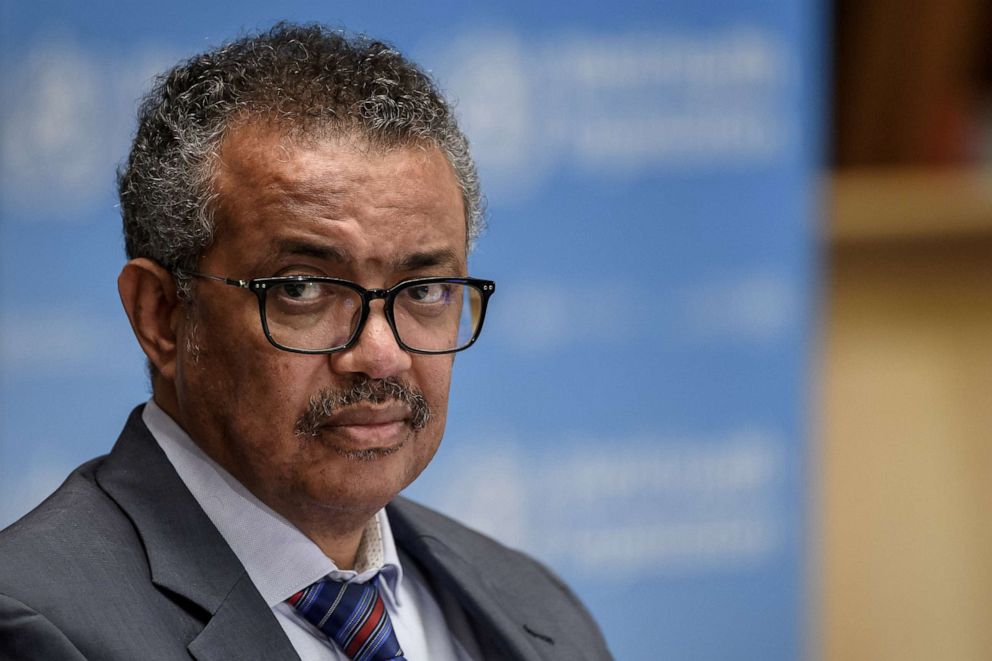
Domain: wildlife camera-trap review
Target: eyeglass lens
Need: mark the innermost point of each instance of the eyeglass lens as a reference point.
(317, 316)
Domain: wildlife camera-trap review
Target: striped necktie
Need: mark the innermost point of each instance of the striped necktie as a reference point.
(353, 616)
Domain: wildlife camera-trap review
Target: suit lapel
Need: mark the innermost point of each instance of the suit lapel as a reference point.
(501, 632)
(237, 632)
(187, 557)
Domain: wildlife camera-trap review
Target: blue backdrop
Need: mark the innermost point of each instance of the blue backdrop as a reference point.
(634, 413)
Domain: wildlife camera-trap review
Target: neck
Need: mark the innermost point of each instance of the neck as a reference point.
(339, 542)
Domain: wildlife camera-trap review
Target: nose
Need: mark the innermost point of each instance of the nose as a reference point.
(376, 353)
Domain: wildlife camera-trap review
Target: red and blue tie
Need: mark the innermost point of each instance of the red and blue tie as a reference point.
(352, 615)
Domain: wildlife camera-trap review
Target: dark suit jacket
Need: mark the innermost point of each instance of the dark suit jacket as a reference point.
(121, 563)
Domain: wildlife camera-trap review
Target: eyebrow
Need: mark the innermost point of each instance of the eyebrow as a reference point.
(444, 257)
(428, 259)
(319, 251)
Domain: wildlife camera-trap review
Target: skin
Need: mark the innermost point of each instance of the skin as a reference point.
(332, 207)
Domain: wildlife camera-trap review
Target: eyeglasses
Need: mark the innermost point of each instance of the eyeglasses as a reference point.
(318, 314)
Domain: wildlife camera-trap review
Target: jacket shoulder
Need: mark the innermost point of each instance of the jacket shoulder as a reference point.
(77, 547)
(78, 528)
(61, 521)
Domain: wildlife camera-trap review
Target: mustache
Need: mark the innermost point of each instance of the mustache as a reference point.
(326, 402)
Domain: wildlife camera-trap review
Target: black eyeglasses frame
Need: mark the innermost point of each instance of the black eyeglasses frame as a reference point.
(260, 286)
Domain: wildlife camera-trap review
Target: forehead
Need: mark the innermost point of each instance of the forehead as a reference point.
(367, 203)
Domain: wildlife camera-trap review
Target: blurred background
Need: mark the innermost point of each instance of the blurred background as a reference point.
(736, 378)
(904, 451)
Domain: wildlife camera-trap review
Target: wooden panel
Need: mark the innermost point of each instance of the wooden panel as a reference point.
(907, 452)
(899, 203)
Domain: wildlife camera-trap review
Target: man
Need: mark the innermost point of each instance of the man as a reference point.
(298, 208)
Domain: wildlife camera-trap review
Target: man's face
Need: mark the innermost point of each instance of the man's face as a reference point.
(334, 208)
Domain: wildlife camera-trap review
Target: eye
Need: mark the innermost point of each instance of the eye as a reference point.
(429, 294)
(301, 291)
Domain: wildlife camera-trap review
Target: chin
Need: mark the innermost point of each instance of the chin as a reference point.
(364, 480)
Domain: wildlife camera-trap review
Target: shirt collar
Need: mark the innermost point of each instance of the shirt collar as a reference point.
(279, 558)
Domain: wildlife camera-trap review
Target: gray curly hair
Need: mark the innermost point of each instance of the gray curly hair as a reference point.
(304, 79)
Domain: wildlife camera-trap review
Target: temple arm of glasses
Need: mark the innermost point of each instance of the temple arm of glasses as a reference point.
(227, 281)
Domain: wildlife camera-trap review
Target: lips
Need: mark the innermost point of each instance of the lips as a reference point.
(367, 428)
(368, 416)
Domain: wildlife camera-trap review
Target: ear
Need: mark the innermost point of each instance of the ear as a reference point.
(148, 293)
